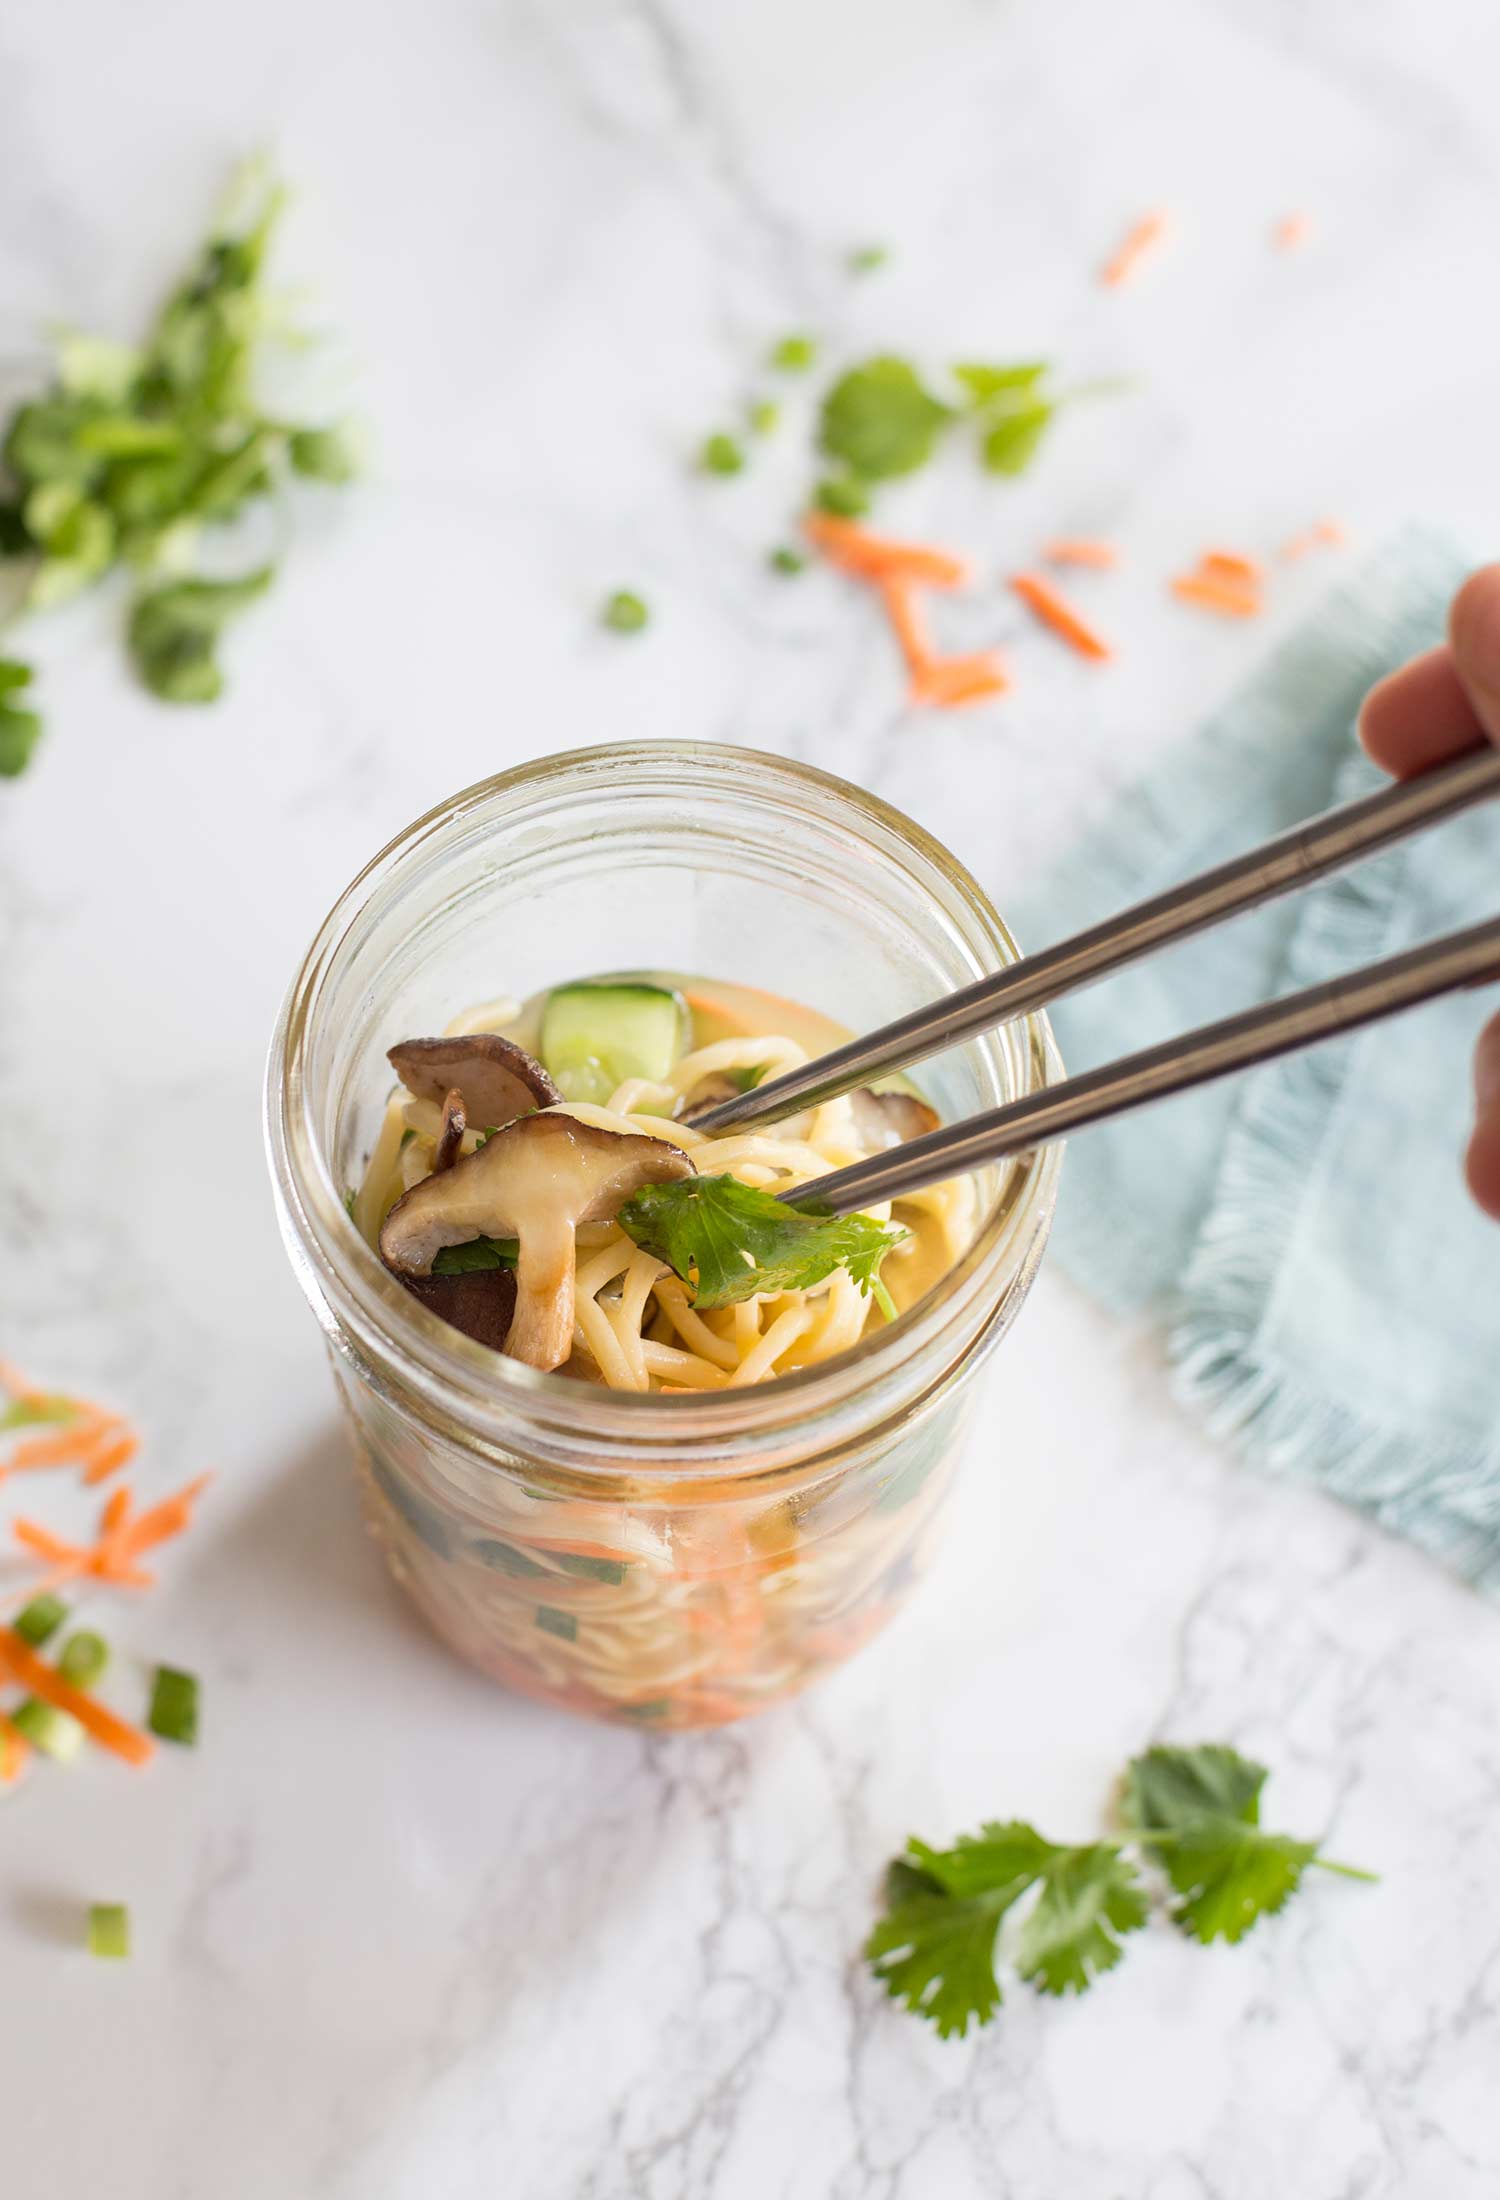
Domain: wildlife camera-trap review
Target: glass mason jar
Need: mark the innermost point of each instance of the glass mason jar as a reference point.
(677, 1561)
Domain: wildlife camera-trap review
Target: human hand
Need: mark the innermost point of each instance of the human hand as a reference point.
(1435, 707)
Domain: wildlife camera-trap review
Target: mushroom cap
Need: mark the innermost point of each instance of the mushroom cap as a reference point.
(535, 1181)
(498, 1080)
(885, 1119)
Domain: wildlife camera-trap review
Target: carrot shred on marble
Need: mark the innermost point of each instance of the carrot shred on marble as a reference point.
(1231, 566)
(1137, 246)
(1083, 550)
(14, 1750)
(121, 1539)
(896, 570)
(1229, 598)
(872, 557)
(21, 1663)
(1055, 611)
(1325, 534)
(1291, 231)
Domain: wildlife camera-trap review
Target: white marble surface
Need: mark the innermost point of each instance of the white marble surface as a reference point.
(398, 1936)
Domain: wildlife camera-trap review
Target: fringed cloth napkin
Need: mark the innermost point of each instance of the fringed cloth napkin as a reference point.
(1331, 1296)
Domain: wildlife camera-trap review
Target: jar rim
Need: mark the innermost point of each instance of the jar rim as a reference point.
(475, 1391)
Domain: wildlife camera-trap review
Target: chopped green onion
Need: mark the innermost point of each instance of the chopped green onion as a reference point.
(846, 498)
(40, 1619)
(55, 1733)
(109, 1930)
(867, 257)
(406, 1138)
(84, 1657)
(589, 1568)
(794, 354)
(349, 1204)
(722, 455)
(784, 560)
(556, 1622)
(764, 415)
(624, 613)
(174, 1706)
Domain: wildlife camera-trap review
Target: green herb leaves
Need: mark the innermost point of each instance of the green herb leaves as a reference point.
(732, 1241)
(20, 729)
(1193, 1812)
(1196, 1812)
(135, 450)
(476, 1257)
(879, 421)
(935, 1947)
(174, 634)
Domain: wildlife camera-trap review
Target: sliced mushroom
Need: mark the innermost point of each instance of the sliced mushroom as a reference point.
(450, 1139)
(498, 1080)
(536, 1180)
(482, 1304)
(885, 1119)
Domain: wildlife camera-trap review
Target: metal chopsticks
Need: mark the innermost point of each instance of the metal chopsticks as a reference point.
(1217, 1050)
(1292, 860)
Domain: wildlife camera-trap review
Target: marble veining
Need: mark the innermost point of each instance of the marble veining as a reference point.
(401, 1937)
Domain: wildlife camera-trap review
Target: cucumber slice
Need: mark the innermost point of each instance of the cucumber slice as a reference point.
(597, 1034)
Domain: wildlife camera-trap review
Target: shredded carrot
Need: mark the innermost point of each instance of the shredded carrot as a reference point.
(1326, 534)
(1291, 231)
(951, 681)
(1230, 598)
(163, 1521)
(109, 1457)
(1082, 550)
(872, 557)
(43, 1680)
(906, 624)
(1229, 565)
(14, 1750)
(44, 1543)
(1139, 243)
(1042, 598)
(65, 1449)
(896, 570)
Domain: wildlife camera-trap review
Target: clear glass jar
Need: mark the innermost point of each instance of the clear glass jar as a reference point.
(673, 1561)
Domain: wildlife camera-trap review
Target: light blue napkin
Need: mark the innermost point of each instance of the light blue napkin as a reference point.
(1331, 1296)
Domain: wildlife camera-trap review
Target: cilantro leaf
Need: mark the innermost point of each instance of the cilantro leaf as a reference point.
(475, 1257)
(935, 1947)
(1011, 441)
(984, 384)
(880, 421)
(20, 730)
(174, 632)
(1167, 1788)
(731, 1240)
(937, 1954)
(1196, 1812)
(1089, 1897)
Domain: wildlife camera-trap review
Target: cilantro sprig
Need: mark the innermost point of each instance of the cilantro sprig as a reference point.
(136, 450)
(731, 1241)
(1064, 1912)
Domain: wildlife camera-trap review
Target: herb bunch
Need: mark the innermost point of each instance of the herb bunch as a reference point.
(135, 451)
(1193, 1815)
